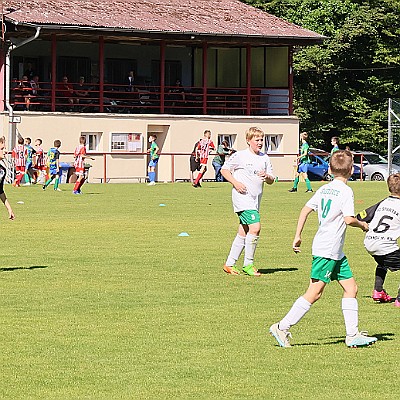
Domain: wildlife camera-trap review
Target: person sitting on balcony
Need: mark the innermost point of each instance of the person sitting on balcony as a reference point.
(24, 92)
(65, 91)
(130, 81)
(82, 92)
(177, 94)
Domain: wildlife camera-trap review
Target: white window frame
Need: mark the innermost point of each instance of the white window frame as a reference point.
(273, 142)
(131, 142)
(96, 136)
(229, 137)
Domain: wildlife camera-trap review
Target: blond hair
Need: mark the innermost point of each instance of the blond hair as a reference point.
(341, 163)
(254, 131)
(393, 183)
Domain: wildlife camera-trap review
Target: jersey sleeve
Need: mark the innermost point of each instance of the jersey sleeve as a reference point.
(314, 202)
(367, 214)
(348, 205)
(232, 163)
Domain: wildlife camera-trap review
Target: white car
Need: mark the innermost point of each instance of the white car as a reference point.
(374, 165)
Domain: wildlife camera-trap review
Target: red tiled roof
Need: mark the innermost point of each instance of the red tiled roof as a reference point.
(203, 17)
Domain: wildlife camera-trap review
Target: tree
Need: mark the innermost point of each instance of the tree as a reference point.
(341, 87)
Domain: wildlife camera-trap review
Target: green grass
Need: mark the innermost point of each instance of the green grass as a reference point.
(101, 299)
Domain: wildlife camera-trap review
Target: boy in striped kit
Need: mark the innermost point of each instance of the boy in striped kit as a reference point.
(40, 163)
(79, 164)
(204, 147)
(19, 156)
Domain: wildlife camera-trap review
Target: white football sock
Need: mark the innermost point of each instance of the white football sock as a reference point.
(236, 250)
(350, 314)
(250, 249)
(299, 309)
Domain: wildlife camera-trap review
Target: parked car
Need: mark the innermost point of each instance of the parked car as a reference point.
(318, 169)
(374, 165)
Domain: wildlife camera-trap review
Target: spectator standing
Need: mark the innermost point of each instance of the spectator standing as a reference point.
(154, 157)
(218, 161)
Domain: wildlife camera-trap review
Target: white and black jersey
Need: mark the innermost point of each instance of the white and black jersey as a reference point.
(384, 226)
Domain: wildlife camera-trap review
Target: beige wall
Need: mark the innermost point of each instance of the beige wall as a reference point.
(176, 134)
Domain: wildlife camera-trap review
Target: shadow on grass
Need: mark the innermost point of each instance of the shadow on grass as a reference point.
(341, 340)
(274, 270)
(9, 269)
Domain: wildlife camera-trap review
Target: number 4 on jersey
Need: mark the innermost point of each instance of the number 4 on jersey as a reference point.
(325, 207)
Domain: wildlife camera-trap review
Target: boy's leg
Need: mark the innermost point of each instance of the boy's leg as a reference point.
(235, 252)
(202, 171)
(251, 241)
(300, 307)
(47, 183)
(56, 182)
(77, 183)
(354, 338)
(380, 275)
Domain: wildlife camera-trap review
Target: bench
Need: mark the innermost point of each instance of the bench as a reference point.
(138, 178)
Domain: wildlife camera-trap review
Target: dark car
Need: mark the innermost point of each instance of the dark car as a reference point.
(318, 169)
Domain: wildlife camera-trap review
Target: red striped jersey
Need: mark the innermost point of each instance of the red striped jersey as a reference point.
(19, 155)
(40, 161)
(80, 153)
(204, 147)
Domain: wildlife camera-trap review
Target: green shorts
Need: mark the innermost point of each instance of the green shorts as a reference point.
(248, 217)
(326, 269)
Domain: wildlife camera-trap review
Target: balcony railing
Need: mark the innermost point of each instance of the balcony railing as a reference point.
(150, 99)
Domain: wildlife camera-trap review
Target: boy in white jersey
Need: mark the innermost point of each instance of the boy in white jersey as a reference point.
(381, 239)
(247, 170)
(334, 203)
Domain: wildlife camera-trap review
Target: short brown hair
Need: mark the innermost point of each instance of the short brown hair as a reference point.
(304, 135)
(2, 139)
(57, 143)
(20, 140)
(393, 183)
(253, 131)
(341, 163)
(82, 140)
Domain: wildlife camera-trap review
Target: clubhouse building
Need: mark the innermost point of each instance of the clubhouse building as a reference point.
(119, 71)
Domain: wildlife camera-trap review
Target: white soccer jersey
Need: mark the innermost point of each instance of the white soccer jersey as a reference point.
(244, 166)
(333, 202)
(384, 228)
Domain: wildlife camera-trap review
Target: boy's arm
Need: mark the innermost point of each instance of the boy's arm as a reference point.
(239, 186)
(352, 221)
(304, 213)
(3, 198)
(367, 214)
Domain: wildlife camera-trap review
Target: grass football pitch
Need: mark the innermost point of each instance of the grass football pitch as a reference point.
(102, 299)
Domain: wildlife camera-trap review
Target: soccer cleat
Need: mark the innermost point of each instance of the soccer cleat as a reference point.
(309, 191)
(152, 183)
(251, 270)
(58, 190)
(76, 192)
(282, 337)
(381, 297)
(361, 339)
(231, 270)
(397, 303)
(44, 187)
(292, 190)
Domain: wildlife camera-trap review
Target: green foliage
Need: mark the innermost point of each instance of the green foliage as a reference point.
(342, 87)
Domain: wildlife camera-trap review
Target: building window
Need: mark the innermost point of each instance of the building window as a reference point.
(272, 143)
(92, 140)
(131, 142)
(229, 138)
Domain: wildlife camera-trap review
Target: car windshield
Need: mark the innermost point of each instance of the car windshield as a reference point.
(375, 159)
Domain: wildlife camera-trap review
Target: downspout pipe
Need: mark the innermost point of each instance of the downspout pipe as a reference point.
(8, 84)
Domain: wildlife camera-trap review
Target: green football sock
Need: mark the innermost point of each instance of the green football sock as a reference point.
(308, 184)
(56, 182)
(296, 182)
(48, 182)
